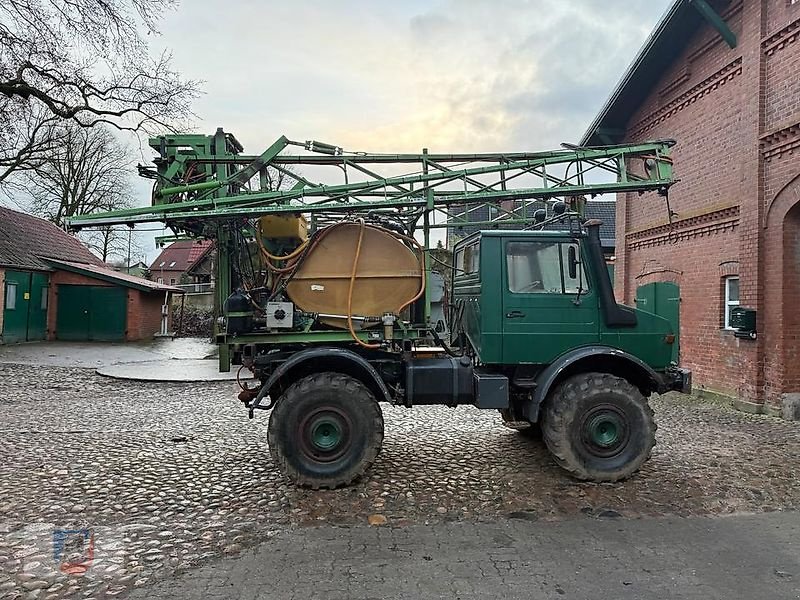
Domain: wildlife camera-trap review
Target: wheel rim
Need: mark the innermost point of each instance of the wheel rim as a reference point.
(605, 430)
(325, 434)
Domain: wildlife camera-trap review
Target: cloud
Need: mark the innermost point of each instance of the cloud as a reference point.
(454, 74)
(450, 75)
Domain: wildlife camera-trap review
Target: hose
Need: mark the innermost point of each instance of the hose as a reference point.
(239, 381)
(311, 243)
(267, 256)
(362, 226)
(448, 350)
(422, 282)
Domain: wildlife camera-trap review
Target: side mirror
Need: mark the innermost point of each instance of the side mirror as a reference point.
(572, 262)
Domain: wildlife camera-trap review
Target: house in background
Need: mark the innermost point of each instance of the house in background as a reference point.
(184, 262)
(53, 287)
(138, 269)
(722, 78)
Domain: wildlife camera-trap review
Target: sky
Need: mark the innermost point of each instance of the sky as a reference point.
(386, 76)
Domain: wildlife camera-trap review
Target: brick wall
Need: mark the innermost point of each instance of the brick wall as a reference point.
(144, 314)
(167, 275)
(735, 113)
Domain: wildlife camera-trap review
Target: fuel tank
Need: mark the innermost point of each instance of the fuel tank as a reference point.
(388, 275)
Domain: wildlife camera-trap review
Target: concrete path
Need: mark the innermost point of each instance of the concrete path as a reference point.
(739, 557)
(100, 354)
(185, 370)
(181, 359)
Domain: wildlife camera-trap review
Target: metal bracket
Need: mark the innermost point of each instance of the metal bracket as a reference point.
(716, 21)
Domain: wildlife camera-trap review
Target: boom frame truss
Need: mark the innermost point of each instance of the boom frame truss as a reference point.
(205, 185)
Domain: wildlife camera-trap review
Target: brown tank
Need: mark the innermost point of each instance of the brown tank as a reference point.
(388, 275)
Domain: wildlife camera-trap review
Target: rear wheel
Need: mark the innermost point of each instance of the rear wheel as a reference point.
(325, 431)
(599, 427)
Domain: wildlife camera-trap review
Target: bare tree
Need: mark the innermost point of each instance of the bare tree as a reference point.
(118, 244)
(89, 171)
(27, 135)
(83, 62)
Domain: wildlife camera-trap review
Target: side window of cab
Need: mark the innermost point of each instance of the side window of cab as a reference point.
(545, 267)
(467, 260)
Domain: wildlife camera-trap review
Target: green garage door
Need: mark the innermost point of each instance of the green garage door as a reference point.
(25, 306)
(89, 312)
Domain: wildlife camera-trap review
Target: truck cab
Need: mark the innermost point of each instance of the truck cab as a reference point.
(529, 297)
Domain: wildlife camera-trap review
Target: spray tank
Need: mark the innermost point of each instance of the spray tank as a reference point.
(357, 269)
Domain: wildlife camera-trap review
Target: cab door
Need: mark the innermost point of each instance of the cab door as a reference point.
(549, 307)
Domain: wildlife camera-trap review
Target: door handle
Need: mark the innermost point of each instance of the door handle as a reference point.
(515, 314)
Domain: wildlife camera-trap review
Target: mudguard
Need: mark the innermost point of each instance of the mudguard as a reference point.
(328, 357)
(550, 374)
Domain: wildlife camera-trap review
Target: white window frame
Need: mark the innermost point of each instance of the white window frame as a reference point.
(728, 302)
(11, 295)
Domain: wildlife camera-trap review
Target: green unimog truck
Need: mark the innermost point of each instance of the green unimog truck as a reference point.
(323, 294)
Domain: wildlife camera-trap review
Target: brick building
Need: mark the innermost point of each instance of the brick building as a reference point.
(183, 262)
(722, 77)
(53, 287)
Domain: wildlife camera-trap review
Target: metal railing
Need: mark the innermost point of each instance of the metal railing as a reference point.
(197, 288)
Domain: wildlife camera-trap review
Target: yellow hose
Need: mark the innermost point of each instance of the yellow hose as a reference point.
(350, 291)
(422, 281)
(266, 253)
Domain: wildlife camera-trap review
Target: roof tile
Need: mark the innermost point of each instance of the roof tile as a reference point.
(25, 240)
(121, 278)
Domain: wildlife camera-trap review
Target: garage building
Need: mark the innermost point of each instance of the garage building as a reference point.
(53, 287)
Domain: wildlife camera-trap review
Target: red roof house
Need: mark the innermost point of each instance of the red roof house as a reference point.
(186, 261)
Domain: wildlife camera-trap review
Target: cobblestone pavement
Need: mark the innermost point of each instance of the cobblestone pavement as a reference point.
(156, 478)
(735, 558)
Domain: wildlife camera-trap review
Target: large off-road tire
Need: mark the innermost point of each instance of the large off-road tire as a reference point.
(526, 429)
(598, 427)
(325, 431)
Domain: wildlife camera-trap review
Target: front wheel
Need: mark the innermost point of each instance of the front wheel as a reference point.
(325, 431)
(599, 427)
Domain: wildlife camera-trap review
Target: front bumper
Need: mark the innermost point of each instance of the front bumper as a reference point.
(676, 379)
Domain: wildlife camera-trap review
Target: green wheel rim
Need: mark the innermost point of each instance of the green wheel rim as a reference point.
(605, 430)
(326, 434)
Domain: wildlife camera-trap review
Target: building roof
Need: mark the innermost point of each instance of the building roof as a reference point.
(103, 273)
(670, 36)
(25, 240)
(606, 211)
(180, 256)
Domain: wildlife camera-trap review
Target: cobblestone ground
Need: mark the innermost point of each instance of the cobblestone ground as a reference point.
(145, 480)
